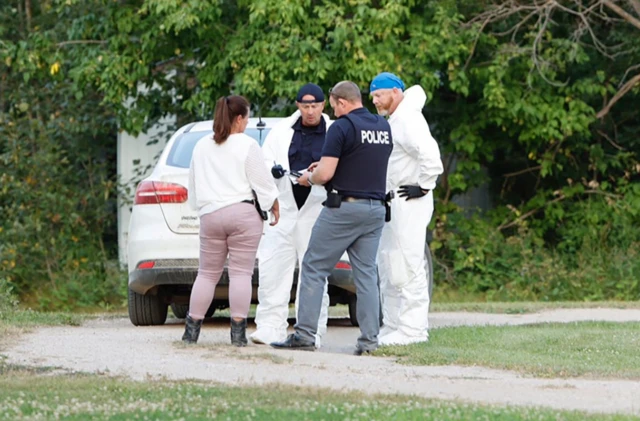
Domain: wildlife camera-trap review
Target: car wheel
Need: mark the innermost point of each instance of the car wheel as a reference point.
(353, 306)
(353, 303)
(147, 310)
(180, 310)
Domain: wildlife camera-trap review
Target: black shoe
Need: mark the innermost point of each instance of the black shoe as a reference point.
(239, 332)
(294, 341)
(191, 330)
(359, 351)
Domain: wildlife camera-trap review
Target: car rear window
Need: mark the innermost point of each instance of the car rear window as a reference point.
(180, 154)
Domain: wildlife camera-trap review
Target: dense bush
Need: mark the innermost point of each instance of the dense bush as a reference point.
(57, 200)
(8, 300)
(594, 253)
(57, 181)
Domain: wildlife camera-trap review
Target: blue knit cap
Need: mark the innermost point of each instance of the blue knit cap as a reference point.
(386, 80)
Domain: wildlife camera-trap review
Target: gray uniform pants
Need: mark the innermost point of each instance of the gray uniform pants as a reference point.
(355, 227)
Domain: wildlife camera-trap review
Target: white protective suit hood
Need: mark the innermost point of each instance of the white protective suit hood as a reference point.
(414, 99)
(415, 158)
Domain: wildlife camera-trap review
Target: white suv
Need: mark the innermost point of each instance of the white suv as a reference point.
(163, 244)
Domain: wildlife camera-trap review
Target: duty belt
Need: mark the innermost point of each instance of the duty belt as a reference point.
(360, 199)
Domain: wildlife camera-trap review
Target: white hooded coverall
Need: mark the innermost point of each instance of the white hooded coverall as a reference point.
(415, 159)
(284, 244)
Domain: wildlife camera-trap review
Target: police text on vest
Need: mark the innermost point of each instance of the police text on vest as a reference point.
(375, 136)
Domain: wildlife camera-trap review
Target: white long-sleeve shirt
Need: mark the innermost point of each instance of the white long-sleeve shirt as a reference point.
(221, 175)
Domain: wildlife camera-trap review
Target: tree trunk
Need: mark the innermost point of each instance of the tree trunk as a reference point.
(27, 9)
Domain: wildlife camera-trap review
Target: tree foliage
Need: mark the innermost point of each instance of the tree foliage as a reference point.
(57, 161)
(536, 100)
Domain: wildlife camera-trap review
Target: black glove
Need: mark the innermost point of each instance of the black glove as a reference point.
(277, 171)
(411, 192)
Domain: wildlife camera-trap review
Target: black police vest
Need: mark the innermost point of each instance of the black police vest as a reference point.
(362, 168)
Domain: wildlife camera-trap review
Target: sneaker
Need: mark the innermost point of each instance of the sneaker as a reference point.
(295, 342)
(399, 338)
(266, 335)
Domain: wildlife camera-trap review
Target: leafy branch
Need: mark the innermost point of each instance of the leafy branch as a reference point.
(560, 198)
(81, 41)
(588, 15)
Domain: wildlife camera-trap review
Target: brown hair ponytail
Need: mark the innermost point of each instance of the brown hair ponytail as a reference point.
(228, 108)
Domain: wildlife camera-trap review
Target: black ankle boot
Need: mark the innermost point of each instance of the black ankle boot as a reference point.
(191, 330)
(239, 332)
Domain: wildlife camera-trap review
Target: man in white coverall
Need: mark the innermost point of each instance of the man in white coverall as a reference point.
(292, 145)
(414, 167)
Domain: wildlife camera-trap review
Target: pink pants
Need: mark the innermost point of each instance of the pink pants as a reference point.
(234, 231)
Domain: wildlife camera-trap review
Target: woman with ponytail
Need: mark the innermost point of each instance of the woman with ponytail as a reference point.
(224, 174)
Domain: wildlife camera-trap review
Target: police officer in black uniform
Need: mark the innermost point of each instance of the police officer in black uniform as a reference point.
(353, 169)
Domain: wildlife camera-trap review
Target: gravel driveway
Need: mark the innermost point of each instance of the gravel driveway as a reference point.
(116, 347)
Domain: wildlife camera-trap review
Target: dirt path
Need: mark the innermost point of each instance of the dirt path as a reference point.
(116, 347)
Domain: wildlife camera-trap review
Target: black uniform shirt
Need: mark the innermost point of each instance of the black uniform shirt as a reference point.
(363, 143)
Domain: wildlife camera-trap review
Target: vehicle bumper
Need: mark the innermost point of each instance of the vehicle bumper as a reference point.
(168, 272)
(342, 278)
(180, 273)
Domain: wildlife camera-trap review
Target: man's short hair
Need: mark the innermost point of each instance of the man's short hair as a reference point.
(346, 90)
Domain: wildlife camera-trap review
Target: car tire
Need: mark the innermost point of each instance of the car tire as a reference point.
(353, 303)
(353, 306)
(180, 310)
(147, 310)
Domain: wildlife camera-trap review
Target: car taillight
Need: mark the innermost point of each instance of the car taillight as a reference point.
(149, 264)
(154, 192)
(343, 265)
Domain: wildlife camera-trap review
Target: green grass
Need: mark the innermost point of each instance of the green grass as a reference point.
(502, 307)
(586, 349)
(26, 394)
(515, 307)
(19, 321)
(30, 318)
(527, 306)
